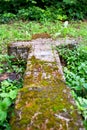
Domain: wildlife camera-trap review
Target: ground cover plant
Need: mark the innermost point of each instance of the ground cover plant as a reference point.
(74, 59)
(11, 79)
(11, 10)
(23, 31)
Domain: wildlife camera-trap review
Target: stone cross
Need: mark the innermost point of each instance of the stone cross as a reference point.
(44, 102)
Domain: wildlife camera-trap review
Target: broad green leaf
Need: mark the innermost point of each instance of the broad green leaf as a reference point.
(7, 101)
(3, 115)
(5, 83)
(1, 70)
(85, 85)
(5, 104)
(13, 94)
(3, 95)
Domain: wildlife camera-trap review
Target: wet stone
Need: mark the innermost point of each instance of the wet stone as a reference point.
(45, 102)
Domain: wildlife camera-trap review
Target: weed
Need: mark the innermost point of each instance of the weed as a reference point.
(75, 74)
(9, 88)
(24, 30)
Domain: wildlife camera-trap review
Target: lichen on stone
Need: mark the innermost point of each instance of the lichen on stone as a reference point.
(43, 104)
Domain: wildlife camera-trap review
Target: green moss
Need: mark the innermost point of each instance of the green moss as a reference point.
(41, 35)
(43, 97)
(45, 71)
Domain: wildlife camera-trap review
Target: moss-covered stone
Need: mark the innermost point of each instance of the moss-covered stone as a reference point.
(41, 35)
(45, 102)
(20, 51)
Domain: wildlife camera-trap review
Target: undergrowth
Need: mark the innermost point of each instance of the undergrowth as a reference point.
(21, 31)
(9, 87)
(75, 70)
(42, 10)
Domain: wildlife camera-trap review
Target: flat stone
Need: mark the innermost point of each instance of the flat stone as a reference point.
(45, 107)
(20, 49)
(45, 102)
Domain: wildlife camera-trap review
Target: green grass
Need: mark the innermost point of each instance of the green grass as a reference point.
(24, 31)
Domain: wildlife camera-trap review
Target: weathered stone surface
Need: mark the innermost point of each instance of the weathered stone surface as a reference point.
(45, 102)
(20, 51)
(44, 107)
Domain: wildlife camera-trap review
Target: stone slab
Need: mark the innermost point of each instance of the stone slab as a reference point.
(45, 102)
